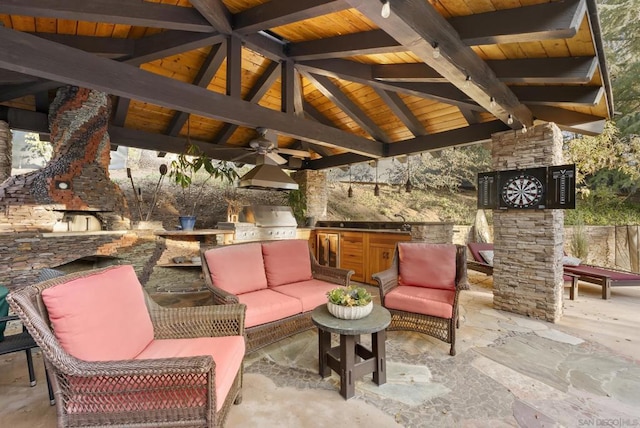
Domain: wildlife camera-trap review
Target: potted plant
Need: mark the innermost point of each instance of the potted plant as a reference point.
(349, 303)
(183, 172)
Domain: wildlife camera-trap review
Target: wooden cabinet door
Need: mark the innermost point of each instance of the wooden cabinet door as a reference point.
(352, 254)
(380, 258)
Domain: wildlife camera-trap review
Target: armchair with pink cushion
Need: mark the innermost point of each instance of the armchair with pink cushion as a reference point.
(117, 358)
(421, 289)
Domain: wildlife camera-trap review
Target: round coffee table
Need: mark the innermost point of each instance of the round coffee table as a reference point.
(342, 359)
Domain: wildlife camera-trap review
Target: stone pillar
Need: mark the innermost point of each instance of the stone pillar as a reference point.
(527, 275)
(313, 184)
(5, 151)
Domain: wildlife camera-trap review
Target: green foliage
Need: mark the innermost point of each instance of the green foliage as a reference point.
(35, 149)
(298, 203)
(579, 240)
(184, 171)
(349, 296)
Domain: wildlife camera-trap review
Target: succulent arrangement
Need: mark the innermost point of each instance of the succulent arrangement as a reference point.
(349, 296)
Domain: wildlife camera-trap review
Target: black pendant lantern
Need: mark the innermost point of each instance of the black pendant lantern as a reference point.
(350, 191)
(408, 186)
(376, 189)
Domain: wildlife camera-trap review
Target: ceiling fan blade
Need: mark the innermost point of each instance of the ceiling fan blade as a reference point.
(237, 158)
(293, 152)
(276, 158)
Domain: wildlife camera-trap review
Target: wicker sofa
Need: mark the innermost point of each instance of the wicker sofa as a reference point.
(280, 282)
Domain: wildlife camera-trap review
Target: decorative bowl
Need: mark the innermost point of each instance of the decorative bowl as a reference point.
(349, 312)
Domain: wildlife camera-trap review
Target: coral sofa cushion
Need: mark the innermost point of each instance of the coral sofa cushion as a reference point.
(237, 268)
(264, 306)
(227, 353)
(311, 293)
(286, 261)
(428, 301)
(102, 316)
(428, 265)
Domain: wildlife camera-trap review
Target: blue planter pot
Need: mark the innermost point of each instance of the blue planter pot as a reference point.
(187, 222)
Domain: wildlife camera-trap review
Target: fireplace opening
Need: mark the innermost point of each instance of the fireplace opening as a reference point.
(88, 263)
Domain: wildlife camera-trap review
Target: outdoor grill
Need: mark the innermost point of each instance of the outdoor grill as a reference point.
(262, 222)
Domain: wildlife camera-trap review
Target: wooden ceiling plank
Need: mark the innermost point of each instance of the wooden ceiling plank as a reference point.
(572, 70)
(142, 14)
(331, 91)
(400, 109)
(29, 54)
(457, 137)
(417, 25)
(169, 43)
(559, 95)
(551, 20)
(216, 13)
(363, 43)
(276, 13)
(255, 94)
(208, 69)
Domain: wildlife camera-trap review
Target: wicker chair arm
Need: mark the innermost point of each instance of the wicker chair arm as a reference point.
(153, 367)
(387, 280)
(332, 274)
(199, 321)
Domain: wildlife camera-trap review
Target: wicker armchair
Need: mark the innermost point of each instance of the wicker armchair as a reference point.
(146, 392)
(421, 307)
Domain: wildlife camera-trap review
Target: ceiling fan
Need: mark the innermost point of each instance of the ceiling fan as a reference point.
(267, 145)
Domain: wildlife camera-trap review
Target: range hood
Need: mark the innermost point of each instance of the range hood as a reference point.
(267, 175)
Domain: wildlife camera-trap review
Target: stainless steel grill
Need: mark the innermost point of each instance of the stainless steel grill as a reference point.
(262, 222)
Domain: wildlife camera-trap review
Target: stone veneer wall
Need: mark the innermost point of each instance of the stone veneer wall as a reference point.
(5, 151)
(314, 185)
(436, 233)
(527, 276)
(78, 120)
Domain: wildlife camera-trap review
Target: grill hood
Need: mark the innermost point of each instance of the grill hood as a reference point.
(267, 176)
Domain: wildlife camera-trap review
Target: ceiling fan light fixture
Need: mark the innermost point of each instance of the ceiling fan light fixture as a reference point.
(386, 9)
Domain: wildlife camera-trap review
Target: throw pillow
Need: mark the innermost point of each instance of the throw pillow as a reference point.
(571, 261)
(487, 255)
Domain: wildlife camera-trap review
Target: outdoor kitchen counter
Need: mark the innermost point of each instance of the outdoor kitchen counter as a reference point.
(357, 229)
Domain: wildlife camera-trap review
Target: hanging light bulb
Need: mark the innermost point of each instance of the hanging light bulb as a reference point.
(510, 120)
(376, 189)
(408, 186)
(436, 50)
(386, 9)
(524, 128)
(492, 102)
(467, 82)
(350, 191)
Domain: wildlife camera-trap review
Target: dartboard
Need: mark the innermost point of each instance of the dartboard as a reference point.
(522, 191)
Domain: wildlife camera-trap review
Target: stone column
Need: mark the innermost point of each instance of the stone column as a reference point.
(313, 184)
(527, 275)
(5, 151)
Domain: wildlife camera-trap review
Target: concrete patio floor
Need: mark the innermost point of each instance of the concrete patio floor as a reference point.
(510, 371)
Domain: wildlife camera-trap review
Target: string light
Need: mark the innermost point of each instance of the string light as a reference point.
(492, 102)
(467, 82)
(524, 129)
(386, 9)
(510, 120)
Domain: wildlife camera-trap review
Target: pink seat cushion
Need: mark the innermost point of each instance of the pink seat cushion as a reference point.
(102, 316)
(427, 301)
(311, 293)
(264, 306)
(227, 352)
(428, 265)
(237, 269)
(286, 261)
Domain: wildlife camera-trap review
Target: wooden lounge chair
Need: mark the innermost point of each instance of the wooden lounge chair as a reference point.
(479, 264)
(604, 277)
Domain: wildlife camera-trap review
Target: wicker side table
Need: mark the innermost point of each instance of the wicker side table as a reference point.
(342, 359)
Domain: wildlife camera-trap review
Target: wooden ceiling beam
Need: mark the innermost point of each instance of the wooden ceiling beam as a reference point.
(569, 120)
(417, 25)
(457, 137)
(29, 54)
(336, 96)
(25, 120)
(551, 20)
(569, 96)
(400, 109)
(169, 43)
(335, 161)
(363, 43)
(408, 72)
(255, 94)
(142, 14)
(362, 73)
(11, 78)
(216, 13)
(549, 71)
(276, 13)
(209, 67)
(11, 92)
(107, 47)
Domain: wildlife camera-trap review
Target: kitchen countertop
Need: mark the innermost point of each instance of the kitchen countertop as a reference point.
(358, 229)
